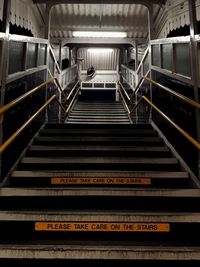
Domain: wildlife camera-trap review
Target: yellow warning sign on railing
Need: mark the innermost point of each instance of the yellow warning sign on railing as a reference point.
(102, 181)
(101, 227)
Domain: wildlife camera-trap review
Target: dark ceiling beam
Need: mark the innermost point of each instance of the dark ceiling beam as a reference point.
(98, 41)
(142, 2)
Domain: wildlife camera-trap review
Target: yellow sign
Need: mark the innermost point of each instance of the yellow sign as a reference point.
(101, 227)
(107, 181)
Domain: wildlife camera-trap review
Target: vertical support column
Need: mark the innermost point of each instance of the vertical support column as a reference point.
(4, 49)
(60, 54)
(128, 55)
(151, 37)
(47, 21)
(120, 62)
(150, 23)
(194, 64)
(70, 57)
(4, 57)
(47, 36)
(136, 55)
(60, 77)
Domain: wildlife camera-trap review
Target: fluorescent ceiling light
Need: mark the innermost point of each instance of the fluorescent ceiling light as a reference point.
(100, 34)
(100, 50)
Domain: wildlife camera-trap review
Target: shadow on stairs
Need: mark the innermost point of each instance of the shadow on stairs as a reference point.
(99, 195)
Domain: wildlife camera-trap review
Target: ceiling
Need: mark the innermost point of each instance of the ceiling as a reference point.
(131, 18)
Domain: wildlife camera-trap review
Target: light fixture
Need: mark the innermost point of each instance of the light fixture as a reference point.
(100, 50)
(99, 34)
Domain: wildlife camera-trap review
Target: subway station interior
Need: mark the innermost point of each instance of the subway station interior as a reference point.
(99, 133)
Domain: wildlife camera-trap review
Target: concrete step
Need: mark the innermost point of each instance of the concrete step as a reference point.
(91, 151)
(94, 127)
(94, 199)
(100, 179)
(97, 122)
(98, 132)
(97, 119)
(105, 163)
(100, 112)
(99, 140)
(100, 227)
(97, 116)
(98, 255)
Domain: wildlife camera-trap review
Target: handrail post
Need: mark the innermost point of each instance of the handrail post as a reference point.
(194, 64)
(4, 57)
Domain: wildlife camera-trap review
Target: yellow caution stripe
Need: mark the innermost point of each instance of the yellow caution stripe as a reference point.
(101, 227)
(103, 181)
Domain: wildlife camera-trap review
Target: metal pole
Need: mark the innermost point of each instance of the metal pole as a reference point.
(150, 22)
(4, 65)
(60, 77)
(151, 37)
(136, 55)
(194, 64)
(47, 36)
(60, 54)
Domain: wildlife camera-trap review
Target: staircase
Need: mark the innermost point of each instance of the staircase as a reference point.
(99, 194)
(95, 112)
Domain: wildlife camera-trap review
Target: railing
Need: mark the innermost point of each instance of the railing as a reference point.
(132, 77)
(28, 55)
(179, 96)
(55, 67)
(50, 100)
(144, 67)
(128, 76)
(170, 56)
(31, 92)
(25, 125)
(165, 88)
(178, 128)
(68, 75)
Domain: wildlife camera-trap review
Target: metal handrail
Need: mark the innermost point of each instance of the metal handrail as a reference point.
(25, 125)
(126, 94)
(24, 96)
(72, 101)
(183, 132)
(171, 92)
(72, 90)
(54, 58)
(124, 102)
(142, 60)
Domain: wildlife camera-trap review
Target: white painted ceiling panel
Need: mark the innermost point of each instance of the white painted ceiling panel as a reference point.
(100, 17)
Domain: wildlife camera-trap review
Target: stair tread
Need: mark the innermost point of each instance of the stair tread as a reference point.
(101, 138)
(97, 251)
(100, 216)
(97, 116)
(47, 192)
(98, 119)
(96, 160)
(99, 148)
(86, 126)
(100, 131)
(154, 174)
